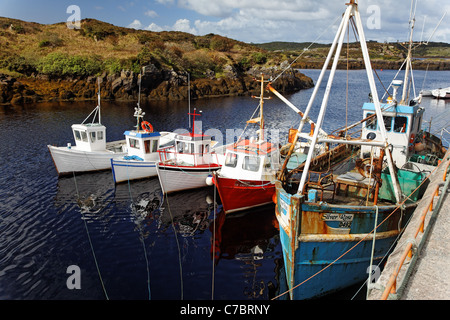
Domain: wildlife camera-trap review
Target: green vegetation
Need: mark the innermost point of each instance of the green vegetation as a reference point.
(98, 47)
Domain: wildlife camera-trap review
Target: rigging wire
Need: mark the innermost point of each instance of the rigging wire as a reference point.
(90, 240)
(141, 238)
(306, 49)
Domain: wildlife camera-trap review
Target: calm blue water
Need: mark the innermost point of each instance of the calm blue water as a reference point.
(146, 247)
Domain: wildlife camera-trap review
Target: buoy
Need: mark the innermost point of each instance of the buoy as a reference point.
(209, 180)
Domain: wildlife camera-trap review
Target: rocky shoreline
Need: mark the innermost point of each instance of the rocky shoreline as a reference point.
(157, 84)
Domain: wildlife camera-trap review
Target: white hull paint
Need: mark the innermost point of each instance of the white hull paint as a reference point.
(73, 160)
(124, 170)
(174, 178)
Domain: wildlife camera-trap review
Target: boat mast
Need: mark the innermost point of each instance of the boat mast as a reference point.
(405, 93)
(137, 110)
(351, 11)
(98, 103)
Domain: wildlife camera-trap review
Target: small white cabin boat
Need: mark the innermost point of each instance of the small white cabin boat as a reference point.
(441, 93)
(91, 151)
(142, 145)
(187, 163)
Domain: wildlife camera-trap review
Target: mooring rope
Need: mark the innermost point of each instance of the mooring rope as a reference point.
(90, 241)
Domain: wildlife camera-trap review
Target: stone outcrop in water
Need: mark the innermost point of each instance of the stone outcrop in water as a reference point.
(157, 84)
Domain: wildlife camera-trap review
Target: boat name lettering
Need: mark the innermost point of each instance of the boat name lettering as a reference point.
(337, 217)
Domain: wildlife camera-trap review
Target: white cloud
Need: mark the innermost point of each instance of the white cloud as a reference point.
(136, 24)
(298, 20)
(154, 27)
(184, 25)
(151, 13)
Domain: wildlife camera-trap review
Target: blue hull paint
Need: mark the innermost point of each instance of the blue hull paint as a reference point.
(312, 239)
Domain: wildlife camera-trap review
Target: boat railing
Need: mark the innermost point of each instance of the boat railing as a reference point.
(200, 158)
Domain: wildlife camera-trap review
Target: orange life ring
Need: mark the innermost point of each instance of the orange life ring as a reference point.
(146, 126)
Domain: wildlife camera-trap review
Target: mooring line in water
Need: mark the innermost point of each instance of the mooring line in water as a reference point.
(141, 237)
(399, 206)
(214, 246)
(89, 238)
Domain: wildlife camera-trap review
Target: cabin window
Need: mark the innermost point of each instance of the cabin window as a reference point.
(134, 143)
(84, 136)
(154, 145)
(77, 135)
(203, 148)
(388, 123)
(372, 123)
(231, 160)
(100, 135)
(184, 147)
(400, 124)
(92, 134)
(147, 146)
(251, 163)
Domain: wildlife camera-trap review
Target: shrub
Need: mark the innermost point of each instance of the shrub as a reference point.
(59, 64)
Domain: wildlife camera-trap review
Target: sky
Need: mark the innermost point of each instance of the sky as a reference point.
(252, 21)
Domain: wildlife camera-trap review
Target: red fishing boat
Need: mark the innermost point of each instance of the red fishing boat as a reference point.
(247, 177)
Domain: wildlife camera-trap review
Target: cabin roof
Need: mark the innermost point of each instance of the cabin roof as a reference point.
(249, 147)
(87, 126)
(192, 137)
(141, 134)
(398, 109)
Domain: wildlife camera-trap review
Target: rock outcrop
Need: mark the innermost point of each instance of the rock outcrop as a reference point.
(157, 84)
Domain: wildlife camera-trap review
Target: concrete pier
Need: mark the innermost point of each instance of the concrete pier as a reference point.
(422, 272)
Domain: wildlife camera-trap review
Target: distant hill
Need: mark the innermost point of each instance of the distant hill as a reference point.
(434, 55)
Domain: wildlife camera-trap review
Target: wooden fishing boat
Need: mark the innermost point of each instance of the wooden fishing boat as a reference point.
(91, 151)
(338, 219)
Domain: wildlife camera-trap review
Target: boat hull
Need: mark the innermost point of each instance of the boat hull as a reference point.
(68, 160)
(124, 170)
(178, 178)
(327, 248)
(238, 195)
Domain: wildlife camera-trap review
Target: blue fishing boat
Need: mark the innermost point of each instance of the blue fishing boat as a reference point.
(340, 213)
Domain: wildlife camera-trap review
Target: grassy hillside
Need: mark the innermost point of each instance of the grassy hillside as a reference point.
(55, 50)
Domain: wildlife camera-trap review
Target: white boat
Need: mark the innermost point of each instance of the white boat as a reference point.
(441, 93)
(91, 151)
(187, 163)
(142, 146)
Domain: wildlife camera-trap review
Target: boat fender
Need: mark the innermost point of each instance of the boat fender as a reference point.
(146, 126)
(209, 180)
(274, 198)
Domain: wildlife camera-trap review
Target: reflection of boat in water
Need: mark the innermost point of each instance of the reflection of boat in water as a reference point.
(248, 237)
(91, 192)
(189, 211)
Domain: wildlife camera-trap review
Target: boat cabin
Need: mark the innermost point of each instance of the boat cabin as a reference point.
(190, 149)
(142, 145)
(402, 125)
(251, 161)
(89, 137)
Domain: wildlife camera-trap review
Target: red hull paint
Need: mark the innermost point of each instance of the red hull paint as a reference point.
(237, 195)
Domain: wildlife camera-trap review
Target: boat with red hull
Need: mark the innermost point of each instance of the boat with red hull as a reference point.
(247, 177)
